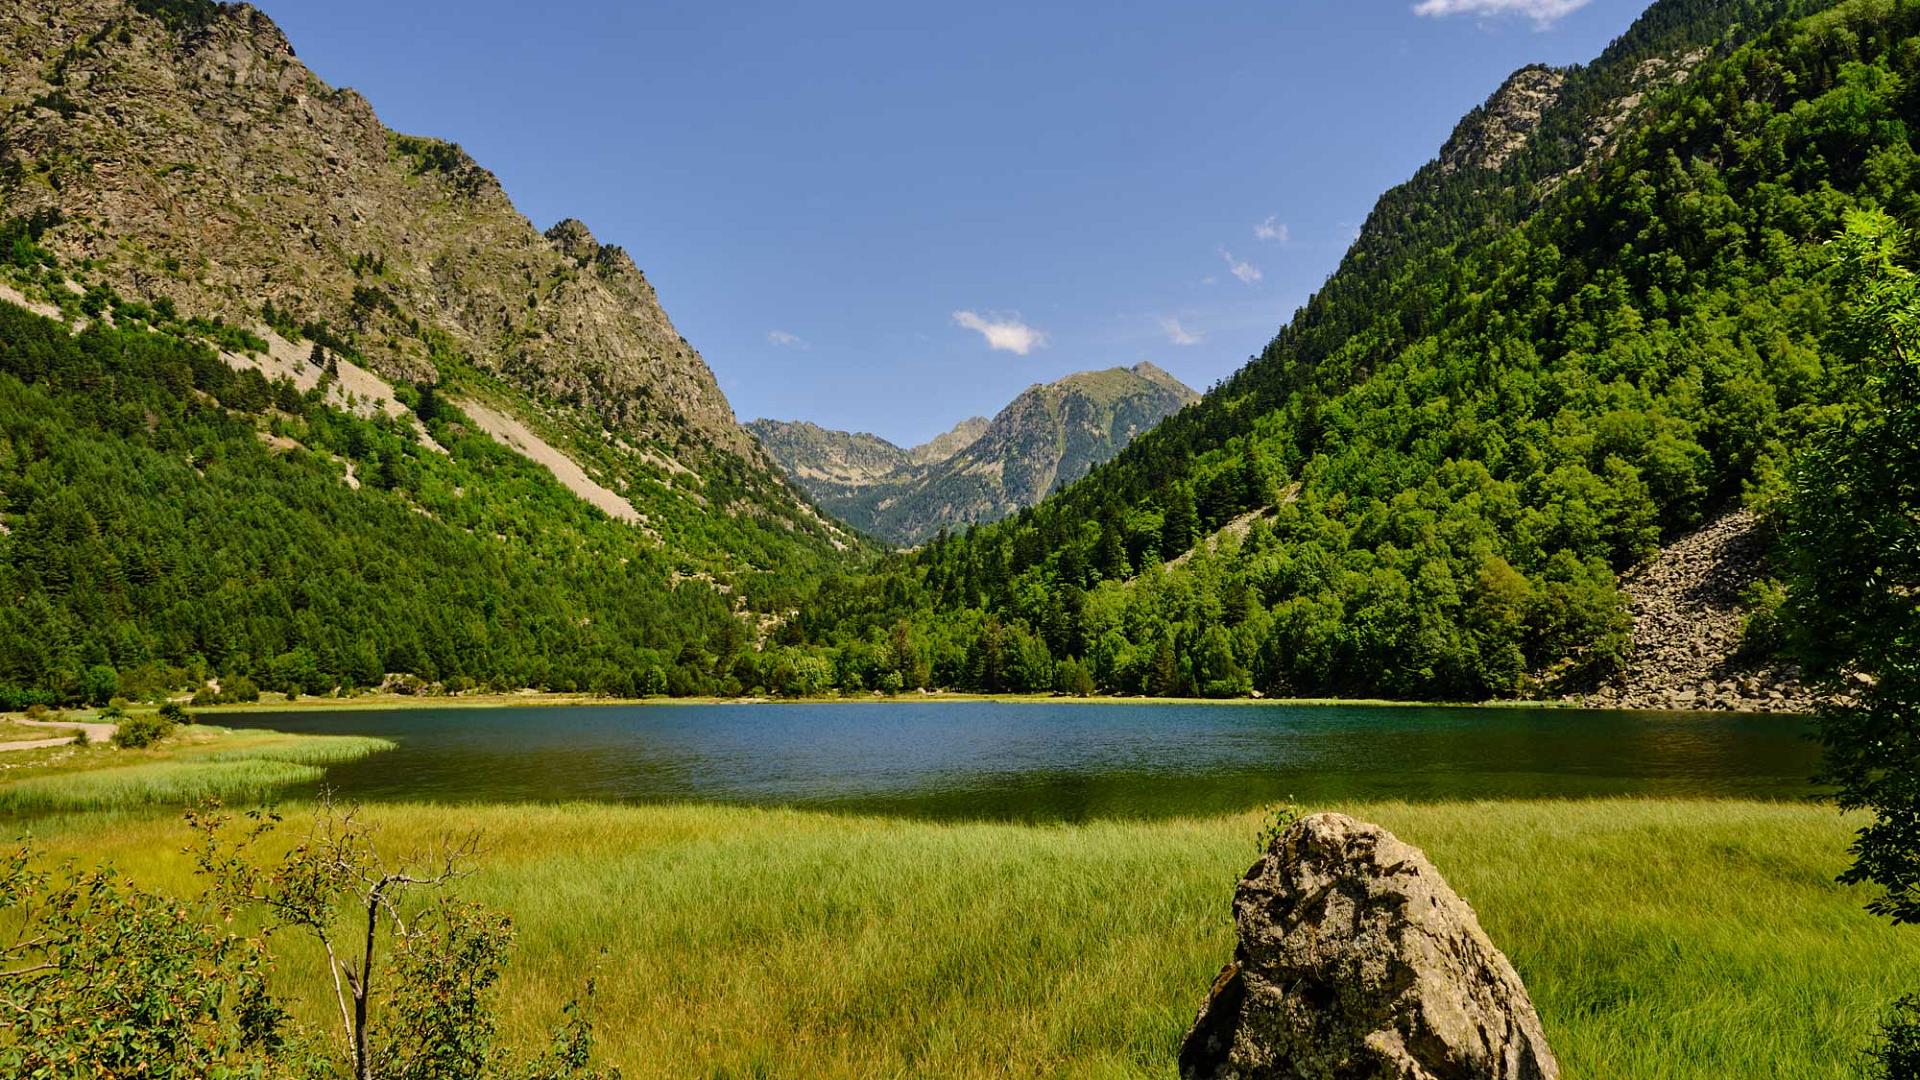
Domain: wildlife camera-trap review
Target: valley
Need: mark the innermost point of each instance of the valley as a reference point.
(982, 470)
(412, 668)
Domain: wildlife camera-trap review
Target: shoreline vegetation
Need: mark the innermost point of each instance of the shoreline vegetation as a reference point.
(777, 942)
(190, 764)
(375, 701)
(772, 941)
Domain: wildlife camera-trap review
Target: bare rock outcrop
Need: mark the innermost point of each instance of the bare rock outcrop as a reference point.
(1357, 962)
(1687, 621)
(195, 158)
(1493, 133)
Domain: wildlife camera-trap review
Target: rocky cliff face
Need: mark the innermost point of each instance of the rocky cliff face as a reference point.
(1048, 437)
(1493, 133)
(186, 153)
(837, 461)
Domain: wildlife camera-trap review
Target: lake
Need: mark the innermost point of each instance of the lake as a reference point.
(1062, 761)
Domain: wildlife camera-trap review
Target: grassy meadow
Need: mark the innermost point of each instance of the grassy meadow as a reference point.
(193, 763)
(1660, 939)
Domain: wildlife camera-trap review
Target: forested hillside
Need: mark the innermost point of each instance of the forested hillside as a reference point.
(178, 152)
(1601, 315)
(338, 410)
(170, 519)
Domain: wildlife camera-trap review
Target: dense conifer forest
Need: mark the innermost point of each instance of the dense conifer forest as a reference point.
(1517, 383)
(170, 520)
(1522, 377)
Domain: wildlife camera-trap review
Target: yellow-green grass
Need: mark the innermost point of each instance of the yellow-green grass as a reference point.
(11, 731)
(190, 765)
(1660, 938)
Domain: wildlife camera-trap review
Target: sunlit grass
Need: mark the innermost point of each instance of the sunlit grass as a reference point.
(172, 783)
(193, 764)
(16, 732)
(1661, 939)
(298, 749)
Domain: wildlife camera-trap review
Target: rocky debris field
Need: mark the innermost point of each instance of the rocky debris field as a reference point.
(1688, 616)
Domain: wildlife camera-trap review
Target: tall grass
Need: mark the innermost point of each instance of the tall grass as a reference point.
(191, 765)
(301, 749)
(1661, 939)
(170, 783)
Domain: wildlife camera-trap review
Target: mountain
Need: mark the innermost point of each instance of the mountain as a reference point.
(181, 152)
(1599, 318)
(828, 463)
(981, 471)
(299, 393)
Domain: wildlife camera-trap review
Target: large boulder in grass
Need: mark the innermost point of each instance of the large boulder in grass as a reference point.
(1357, 962)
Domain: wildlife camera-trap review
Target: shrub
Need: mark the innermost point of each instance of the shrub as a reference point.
(1897, 1055)
(1279, 818)
(139, 732)
(237, 689)
(172, 713)
(160, 992)
(1763, 633)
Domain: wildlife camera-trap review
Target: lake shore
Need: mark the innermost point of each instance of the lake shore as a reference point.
(526, 699)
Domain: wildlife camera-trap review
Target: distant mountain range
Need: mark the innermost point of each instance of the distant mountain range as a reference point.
(982, 470)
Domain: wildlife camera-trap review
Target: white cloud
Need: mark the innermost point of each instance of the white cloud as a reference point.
(1542, 12)
(1004, 333)
(1180, 335)
(785, 340)
(1241, 269)
(1273, 229)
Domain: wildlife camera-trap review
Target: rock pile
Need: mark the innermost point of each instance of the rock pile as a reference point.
(1356, 960)
(1687, 621)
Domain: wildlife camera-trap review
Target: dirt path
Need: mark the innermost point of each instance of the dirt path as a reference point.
(95, 733)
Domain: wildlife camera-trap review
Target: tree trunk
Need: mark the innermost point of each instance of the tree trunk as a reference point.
(362, 990)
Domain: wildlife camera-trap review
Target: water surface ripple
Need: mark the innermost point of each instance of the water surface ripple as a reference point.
(1054, 761)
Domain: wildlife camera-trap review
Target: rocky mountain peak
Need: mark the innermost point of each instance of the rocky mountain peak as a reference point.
(188, 154)
(982, 470)
(1491, 134)
(571, 237)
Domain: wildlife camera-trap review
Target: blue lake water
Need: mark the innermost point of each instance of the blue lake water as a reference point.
(1054, 761)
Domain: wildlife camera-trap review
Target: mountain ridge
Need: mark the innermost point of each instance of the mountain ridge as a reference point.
(181, 152)
(1596, 319)
(982, 470)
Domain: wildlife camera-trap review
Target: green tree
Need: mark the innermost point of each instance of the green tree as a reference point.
(1180, 526)
(102, 683)
(1853, 540)
(1163, 673)
(1072, 678)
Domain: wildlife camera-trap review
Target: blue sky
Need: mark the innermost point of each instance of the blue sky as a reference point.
(888, 216)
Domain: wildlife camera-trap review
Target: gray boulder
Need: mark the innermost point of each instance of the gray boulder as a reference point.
(1357, 962)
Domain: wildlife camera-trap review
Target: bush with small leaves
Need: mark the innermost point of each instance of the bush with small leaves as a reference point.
(1277, 818)
(1897, 1055)
(138, 732)
(336, 888)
